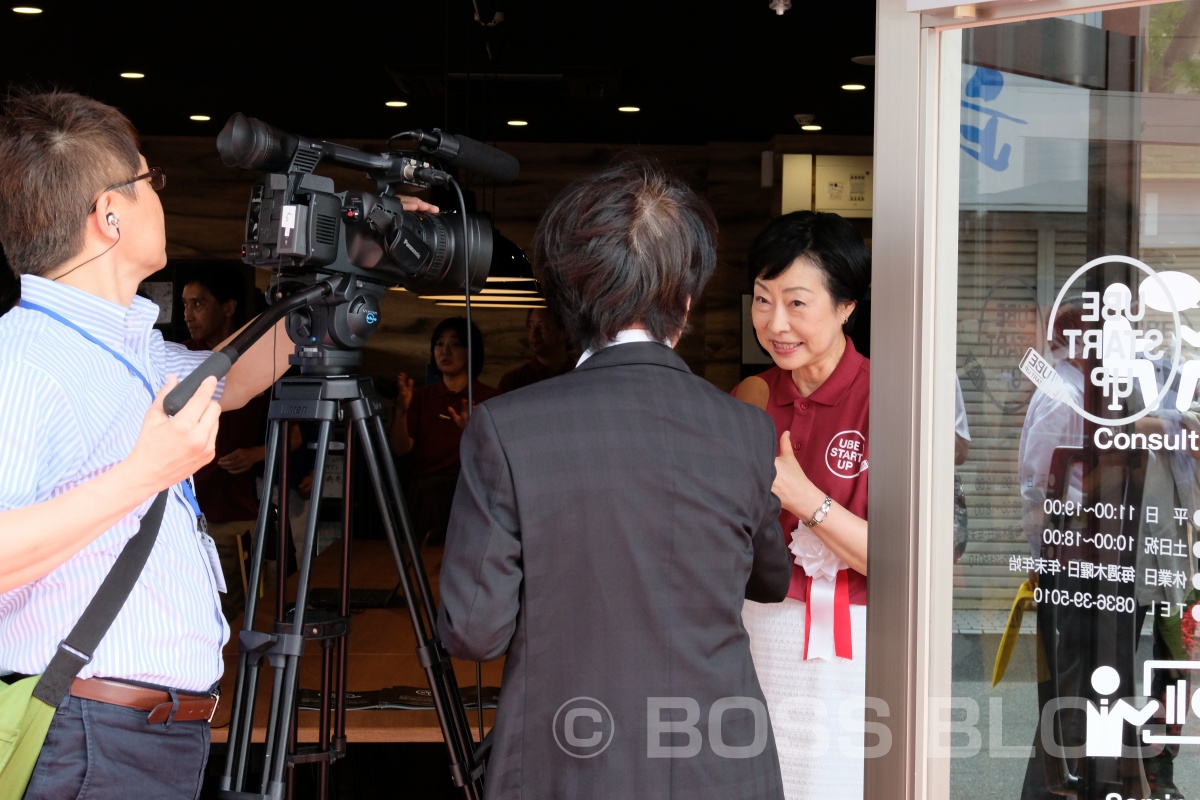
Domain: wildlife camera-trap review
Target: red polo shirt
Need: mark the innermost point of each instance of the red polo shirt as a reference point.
(829, 437)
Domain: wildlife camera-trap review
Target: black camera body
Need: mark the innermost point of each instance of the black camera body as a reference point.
(298, 225)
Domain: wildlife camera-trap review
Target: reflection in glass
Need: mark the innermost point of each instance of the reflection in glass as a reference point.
(1078, 356)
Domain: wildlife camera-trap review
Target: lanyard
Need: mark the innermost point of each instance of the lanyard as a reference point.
(185, 486)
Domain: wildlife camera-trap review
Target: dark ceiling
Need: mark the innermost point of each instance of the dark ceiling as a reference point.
(713, 70)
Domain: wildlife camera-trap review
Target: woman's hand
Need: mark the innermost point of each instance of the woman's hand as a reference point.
(406, 391)
(842, 532)
(462, 416)
(793, 488)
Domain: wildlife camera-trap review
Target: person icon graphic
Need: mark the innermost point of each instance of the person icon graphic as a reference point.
(1174, 292)
(1105, 722)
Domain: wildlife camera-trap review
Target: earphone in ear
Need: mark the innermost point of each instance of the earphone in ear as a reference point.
(112, 220)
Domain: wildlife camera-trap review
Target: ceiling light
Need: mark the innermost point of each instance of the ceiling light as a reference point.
(780, 6)
(27, 10)
(504, 300)
(396, 104)
(133, 74)
(200, 118)
(853, 87)
(866, 61)
(629, 109)
(477, 304)
(490, 295)
(810, 127)
(517, 123)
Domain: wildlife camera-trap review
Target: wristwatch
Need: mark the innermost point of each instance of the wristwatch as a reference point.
(819, 514)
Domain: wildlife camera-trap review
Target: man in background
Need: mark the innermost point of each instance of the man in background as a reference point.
(549, 348)
(227, 487)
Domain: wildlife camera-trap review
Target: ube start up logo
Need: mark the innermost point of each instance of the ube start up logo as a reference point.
(1119, 341)
(846, 455)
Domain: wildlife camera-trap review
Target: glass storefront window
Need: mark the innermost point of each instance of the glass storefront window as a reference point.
(1076, 652)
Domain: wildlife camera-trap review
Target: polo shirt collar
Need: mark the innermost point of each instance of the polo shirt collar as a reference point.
(108, 322)
(830, 392)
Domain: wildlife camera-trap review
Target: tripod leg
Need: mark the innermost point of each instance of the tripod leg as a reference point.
(324, 400)
(466, 773)
(286, 684)
(242, 715)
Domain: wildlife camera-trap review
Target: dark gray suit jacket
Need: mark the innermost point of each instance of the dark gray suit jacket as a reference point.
(606, 527)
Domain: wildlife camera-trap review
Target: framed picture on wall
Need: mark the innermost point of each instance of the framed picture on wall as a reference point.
(162, 293)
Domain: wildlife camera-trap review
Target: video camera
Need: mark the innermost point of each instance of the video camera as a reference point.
(298, 224)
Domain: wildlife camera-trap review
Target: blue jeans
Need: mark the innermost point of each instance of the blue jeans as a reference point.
(100, 751)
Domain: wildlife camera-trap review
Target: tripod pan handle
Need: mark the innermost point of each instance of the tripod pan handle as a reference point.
(216, 364)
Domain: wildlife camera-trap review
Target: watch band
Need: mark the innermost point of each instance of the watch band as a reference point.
(819, 514)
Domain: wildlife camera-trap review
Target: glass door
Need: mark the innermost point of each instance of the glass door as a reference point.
(1075, 647)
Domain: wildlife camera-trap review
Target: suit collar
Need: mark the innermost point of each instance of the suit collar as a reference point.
(618, 355)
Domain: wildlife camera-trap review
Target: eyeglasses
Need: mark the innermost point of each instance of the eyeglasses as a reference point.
(158, 180)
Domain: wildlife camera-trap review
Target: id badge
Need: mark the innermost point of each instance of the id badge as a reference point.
(214, 560)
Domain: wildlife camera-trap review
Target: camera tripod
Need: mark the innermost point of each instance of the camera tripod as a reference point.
(326, 392)
(326, 400)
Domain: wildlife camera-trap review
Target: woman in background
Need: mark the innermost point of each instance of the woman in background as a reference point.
(812, 269)
(429, 422)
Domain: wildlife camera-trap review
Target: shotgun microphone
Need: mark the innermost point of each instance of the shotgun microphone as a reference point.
(467, 153)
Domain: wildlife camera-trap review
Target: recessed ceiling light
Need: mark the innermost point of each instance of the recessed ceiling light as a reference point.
(27, 10)
(396, 104)
(810, 127)
(200, 118)
(853, 87)
(133, 74)
(629, 109)
(477, 304)
(517, 123)
(490, 296)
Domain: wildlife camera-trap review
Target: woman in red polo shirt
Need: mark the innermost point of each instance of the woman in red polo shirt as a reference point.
(812, 270)
(429, 421)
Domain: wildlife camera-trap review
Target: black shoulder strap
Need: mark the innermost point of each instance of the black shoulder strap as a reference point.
(76, 650)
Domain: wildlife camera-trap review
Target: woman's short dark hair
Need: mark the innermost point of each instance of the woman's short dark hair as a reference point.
(828, 242)
(630, 245)
(458, 325)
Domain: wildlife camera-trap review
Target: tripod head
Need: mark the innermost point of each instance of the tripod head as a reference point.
(330, 331)
(329, 318)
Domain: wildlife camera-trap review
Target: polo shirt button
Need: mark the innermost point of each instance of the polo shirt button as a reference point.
(804, 406)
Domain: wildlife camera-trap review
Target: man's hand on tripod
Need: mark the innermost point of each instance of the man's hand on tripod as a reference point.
(169, 449)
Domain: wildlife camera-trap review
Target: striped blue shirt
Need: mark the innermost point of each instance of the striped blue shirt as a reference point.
(69, 411)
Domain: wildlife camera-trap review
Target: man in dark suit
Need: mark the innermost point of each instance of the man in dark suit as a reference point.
(609, 522)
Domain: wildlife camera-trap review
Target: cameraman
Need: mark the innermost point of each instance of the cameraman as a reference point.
(85, 446)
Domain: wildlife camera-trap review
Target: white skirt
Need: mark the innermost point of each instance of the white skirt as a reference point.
(816, 707)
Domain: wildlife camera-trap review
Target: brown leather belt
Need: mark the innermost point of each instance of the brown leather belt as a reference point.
(158, 704)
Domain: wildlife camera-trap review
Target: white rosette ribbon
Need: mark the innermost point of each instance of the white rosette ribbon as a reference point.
(822, 565)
